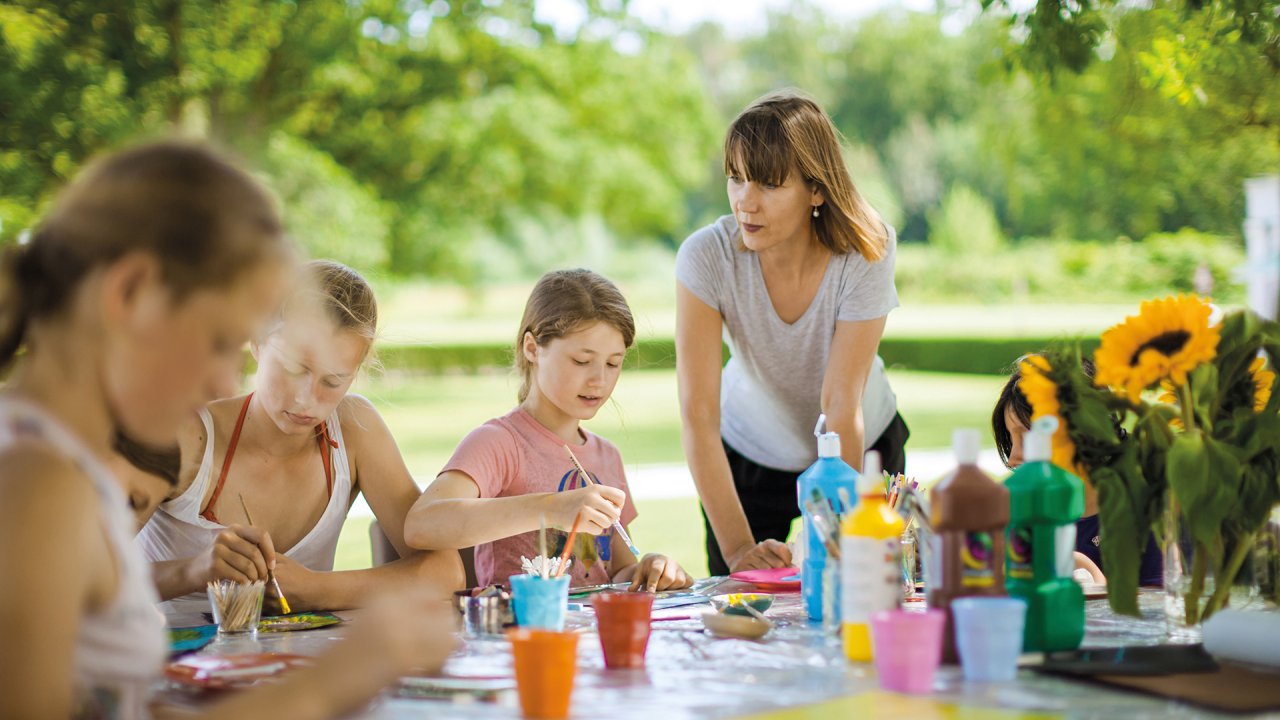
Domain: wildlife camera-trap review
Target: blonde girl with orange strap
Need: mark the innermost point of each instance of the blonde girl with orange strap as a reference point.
(298, 450)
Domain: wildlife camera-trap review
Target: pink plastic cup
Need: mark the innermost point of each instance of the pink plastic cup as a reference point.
(907, 648)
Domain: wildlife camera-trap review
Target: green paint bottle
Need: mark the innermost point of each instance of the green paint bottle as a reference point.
(1044, 503)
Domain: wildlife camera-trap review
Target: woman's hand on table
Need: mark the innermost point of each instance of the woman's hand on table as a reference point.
(656, 573)
(761, 556)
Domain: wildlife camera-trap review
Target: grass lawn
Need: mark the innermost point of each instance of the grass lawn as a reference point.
(429, 415)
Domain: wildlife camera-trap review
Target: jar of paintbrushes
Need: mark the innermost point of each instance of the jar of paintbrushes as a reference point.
(237, 607)
(540, 596)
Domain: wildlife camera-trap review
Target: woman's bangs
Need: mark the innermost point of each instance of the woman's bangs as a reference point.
(757, 151)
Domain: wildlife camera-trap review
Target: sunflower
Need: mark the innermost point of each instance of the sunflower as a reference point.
(1166, 340)
(1263, 379)
(1169, 396)
(1042, 393)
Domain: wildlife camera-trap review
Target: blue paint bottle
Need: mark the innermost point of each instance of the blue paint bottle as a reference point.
(827, 475)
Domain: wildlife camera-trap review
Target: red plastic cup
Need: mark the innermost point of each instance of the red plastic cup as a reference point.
(907, 647)
(622, 619)
(545, 663)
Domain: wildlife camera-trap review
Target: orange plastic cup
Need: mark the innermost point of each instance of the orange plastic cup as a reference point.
(622, 619)
(545, 663)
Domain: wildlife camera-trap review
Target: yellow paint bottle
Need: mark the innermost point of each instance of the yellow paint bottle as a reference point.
(870, 562)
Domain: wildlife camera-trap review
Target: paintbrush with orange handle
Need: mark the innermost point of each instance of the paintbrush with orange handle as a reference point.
(568, 545)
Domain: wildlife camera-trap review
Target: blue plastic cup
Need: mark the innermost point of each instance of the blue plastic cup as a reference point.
(989, 636)
(540, 603)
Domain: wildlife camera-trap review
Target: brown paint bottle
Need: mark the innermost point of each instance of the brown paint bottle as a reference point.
(968, 512)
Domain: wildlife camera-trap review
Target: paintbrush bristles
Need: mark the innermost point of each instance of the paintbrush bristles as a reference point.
(237, 607)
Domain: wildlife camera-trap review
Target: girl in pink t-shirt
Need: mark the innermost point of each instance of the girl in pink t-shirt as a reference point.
(512, 473)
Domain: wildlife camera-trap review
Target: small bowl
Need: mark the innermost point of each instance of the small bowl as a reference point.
(732, 603)
(734, 626)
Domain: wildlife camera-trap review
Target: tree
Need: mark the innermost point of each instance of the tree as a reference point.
(1219, 55)
(415, 127)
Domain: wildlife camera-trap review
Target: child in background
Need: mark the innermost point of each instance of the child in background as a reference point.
(133, 300)
(148, 475)
(1010, 421)
(512, 473)
(297, 450)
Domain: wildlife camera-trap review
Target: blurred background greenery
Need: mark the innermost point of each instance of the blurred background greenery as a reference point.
(1046, 163)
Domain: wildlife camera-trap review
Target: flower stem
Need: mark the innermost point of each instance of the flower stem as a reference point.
(1188, 406)
(1227, 577)
(1199, 566)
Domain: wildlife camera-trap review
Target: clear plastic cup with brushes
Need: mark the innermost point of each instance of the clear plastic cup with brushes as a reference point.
(237, 607)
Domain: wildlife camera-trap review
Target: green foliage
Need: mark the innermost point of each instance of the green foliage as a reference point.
(399, 129)
(330, 213)
(467, 139)
(1073, 271)
(965, 223)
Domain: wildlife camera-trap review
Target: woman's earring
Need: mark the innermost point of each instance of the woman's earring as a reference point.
(815, 211)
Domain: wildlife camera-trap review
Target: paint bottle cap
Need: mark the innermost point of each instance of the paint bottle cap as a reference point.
(1037, 444)
(965, 443)
(828, 445)
(871, 481)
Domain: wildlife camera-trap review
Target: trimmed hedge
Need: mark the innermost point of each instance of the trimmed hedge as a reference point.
(992, 356)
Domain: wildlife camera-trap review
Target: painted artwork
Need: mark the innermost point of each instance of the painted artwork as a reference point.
(297, 621)
(189, 639)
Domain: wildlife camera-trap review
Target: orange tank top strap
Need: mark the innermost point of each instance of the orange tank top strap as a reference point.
(327, 445)
(226, 463)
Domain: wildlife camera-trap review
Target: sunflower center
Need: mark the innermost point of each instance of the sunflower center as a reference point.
(1165, 343)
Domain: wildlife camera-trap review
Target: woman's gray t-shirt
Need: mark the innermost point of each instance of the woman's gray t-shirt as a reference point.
(771, 388)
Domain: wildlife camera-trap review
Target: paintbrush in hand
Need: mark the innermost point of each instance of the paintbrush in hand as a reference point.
(568, 545)
(622, 533)
(275, 584)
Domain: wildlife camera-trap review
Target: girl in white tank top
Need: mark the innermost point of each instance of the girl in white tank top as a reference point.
(295, 452)
(120, 647)
(180, 529)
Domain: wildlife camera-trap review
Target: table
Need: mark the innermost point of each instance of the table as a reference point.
(690, 674)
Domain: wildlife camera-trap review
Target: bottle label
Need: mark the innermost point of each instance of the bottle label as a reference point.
(976, 560)
(1065, 558)
(1019, 553)
(870, 576)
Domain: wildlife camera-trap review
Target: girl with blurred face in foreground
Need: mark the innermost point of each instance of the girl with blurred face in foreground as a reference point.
(133, 301)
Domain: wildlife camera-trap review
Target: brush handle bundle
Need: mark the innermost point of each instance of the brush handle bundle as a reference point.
(237, 607)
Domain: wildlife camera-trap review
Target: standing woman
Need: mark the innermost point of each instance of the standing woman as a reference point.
(799, 280)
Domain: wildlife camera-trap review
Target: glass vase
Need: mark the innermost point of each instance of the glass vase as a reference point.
(1203, 578)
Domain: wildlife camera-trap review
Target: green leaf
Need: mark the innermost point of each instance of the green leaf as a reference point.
(1122, 540)
(1203, 475)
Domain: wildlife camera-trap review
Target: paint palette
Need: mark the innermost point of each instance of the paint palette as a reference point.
(735, 626)
(189, 639)
(733, 602)
(297, 621)
(222, 672)
(776, 579)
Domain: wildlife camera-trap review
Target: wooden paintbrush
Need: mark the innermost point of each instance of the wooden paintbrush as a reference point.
(275, 584)
(617, 526)
(568, 545)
